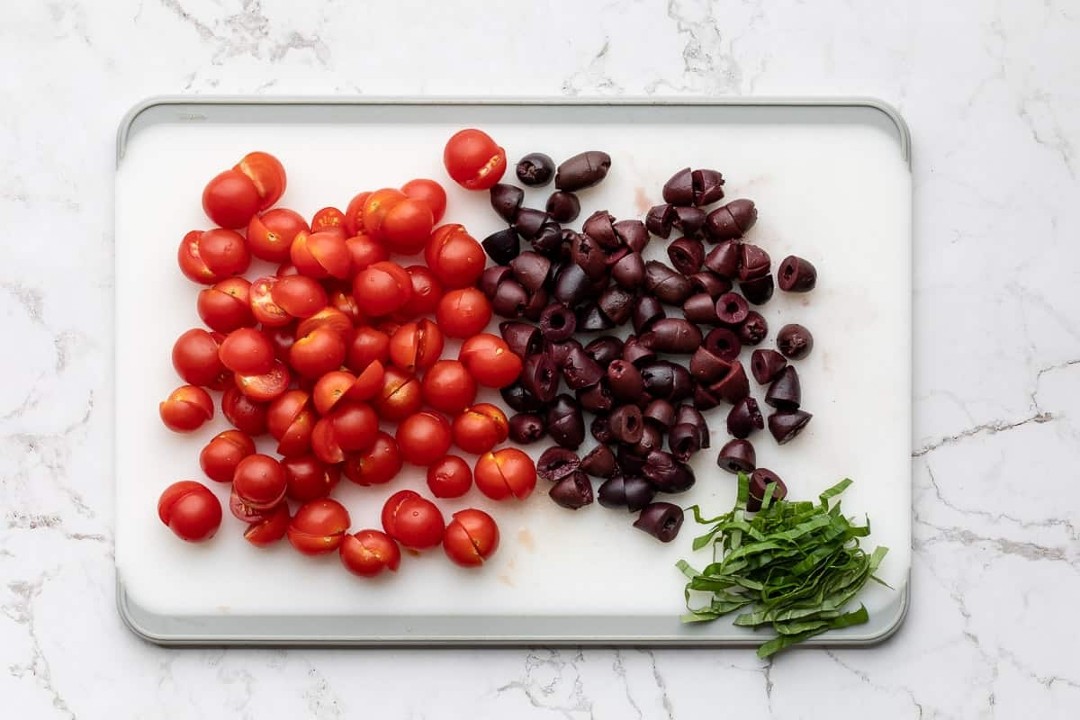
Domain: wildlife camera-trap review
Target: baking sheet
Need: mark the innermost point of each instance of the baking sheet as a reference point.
(832, 183)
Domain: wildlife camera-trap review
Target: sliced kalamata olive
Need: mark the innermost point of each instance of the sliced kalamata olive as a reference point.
(785, 425)
(754, 262)
(520, 399)
(667, 380)
(557, 322)
(794, 342)
(535, 169)
(673, 335)
(796, 274)
(630, 464)
(629, 271)
(589, 256)
(724, 343)
(526, 428)
(580, 370)
(683, 441)
(560, 352)
(535, 307)
(679, 190)
(636, 352)
(563, 207)
(737, 456)
(633, 234)
(506, 200)
(724, 259)
(596, 399)
(760, 479)
(667, 474)
(612, 492)
(600, 429)
(731, 309)
(708, 186)
(625, 381)
(510, 299)
(492, 277)
(626, 424)
(665, 284)
(555, 463)
(707, 367)
(528, 221)
(549, 241)
(599, 462)
(734, 386)
(598, 226)
(604, 349)
(785, 392)
(759, 290)
(572, 492)
(744, 417)
(646, 311)
(660, 413)
(540, 377)
(690, 415)
(652, 438)
(631, 492)
(502, 246)
(616, 303)
(590, 319)
(700, 308)
(708, 282)
(753, 329)
(731, 221)
(565, 425)
(531, 270)
(523, 338)
(766, 365)
(689, 220)
(660, 220)
(686, 255)
(582, 170)
(704, 398)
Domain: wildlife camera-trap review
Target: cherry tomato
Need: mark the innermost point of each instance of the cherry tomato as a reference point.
(428, 192)
(400, 222)
(291, 422)
(342, 300)
(448, 387)
(328, 218)
(364, 251)
(190, 510)
(354, 214)
(401, 395)
(450, 477)
(332, 387)
(309, 479)
(186, 409)
(264, 387)
(211, 256)
(299, 295)
(382, 288)
(245, 414)
(263, 307)
(223, 453)
(489, 359)
(282, 338)
(412, 520)
(259, 481)
(426, 293)
(321, 254)
(505, 472)
(355, 426)
(423, 438)
(416, 345)
(319, 526)
(270, 527)
(369, 552)
(231, 199)
(471, 537)
(378, 465)
(463, 313)
(329, 317)
(226, 306)
(266, 173)
(454, 256)
(318, 352)
(474, 160)
(480, 428)
(195, 358)
(324, 442)
(247, 351)
(270, 235)
(367, 345)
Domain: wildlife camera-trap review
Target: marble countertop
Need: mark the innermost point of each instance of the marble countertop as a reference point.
(989, 90)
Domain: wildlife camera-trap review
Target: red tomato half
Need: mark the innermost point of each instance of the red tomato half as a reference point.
(423, 438)
(369, 552)
(454, 256)
(211, 256)
(223, 453)
(267, 174)
(270, 235)
(428, 192)
(463, 313)
(471, 537)
(378, 465)
(190, 510)
(505, 472)
(231, 199)
(412, 520)
(319, 526)
(186, 409)
(474, 160)
(489, 359)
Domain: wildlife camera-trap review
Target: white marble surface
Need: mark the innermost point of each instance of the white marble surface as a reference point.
(989, 89)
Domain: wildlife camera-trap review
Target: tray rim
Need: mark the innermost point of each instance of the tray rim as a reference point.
(125, 609)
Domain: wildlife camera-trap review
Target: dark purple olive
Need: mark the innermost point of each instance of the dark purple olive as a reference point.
(683, 441)
(617, 304)
(708, 282)
(724, 259)
(731, 221)
(636, 352)
(753, 329)
(630, 464)
(646, 311)
(785, 425)
(506, 200)
(759, 290)
(707, 367)
(560, 352)
(563, 207)
(599, 462)
(502, 246)
(754, 262)
(520, 399)
(632, 493)
(668, 474)
(766, 365)
(582, 170)
(565, 425)
(690, 415)
(557, 322)
(667, 380)
(785, 393)
(531, 270)
(737, 456)
(589, 256)
(662, 520)
(572, 492)
(492, 277)
(540, 377)
(626, 424)
(708, 186)
(665, 284)
(535, 307)
(700, 308)
(580, 370)
(600, 429)
(510, 299)
(734, 386)
(660, 413)
(686, 255)
(596, 399)
(526, 428)
(794, 342)
(796, 275)
(652, 438)
(535, 169)
(625, 381)
(760, 479)
(723, 343)
(673, 335)
(689, 220)
(704, 398)
(598, 226)
(590, 319)
(731, 309)
(660, 220)
(629, 271)
(633, 234)
(523, 338)
(528, 221)
(679, 190)
(555, 463)
(604, 349)
(550, 241)
(744, 418)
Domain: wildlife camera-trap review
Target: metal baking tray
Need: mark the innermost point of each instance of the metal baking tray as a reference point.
(832, 181)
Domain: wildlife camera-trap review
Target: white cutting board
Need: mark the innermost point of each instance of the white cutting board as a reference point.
(835, 192)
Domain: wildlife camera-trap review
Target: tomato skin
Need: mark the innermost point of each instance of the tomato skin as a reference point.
(382, 288)
(368, 344)
(282, 338)
(309, 479)
(267, 175)
(263, 307)
(291, 422)
(428, 192)
(401, 395)
(426, 293)
(270, 528)
(186, 409)
(480, 428)
(190, 510)
(329, 317)
(471, 537)
(505, 472)
(227, 305)
(210, 256)
(318, 527)
(474, 160)
(259, 481)
(331, 388)
(231, 199)
(416, 345)
(247, 351)
(412, 520)
(364, 251)
(223, 453)
(245, 414)
(450, 477)
(270, 235)
(378, 465)
(328, 218)
(489, 359)
(454, 256)
(448, 387)
(354, 214)
(423, 437)
(324, 442)
(195, 358)
(299, 295)
(463, 313)
(264, 387)
(355, 426)
(342, 300)
(318, 352)
(321, 254)
(369, 552)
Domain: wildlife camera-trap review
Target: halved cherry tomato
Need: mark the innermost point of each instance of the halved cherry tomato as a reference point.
(270, 528)
(317, 352)
(397, 220)
(401, 395)
(423, 437)
(244, 413)
(330, 317)
(428, 192)
(342, 300)
(505, 472)
(448, 387)
(226, 306)
(291, 422)
(223, 453)
(463, 312)
(299, 295)
(426, 293)
(259, 481)
(454, 256)
(186, 409)
(382, 288)
(307, 478)
(365, 251)
(450, 477)
(330, 388)
(319, 526)
(231, 199)
(489, 359)
(328, 218)
(480, 428)
(244, 512)
(270, 235)
(369, 552)
(416, 345)
(412, 520)
(324, 442)
(266, 311)
(378, 465)
(354, 214)
(264, 387)
(474, 160)
(267, 174)
(368, 344)
(210, 256)
(471, 537)
(282, 338)
(247, 351)
(190, 510)
(321, 254)
(195, 359)
(355, 426)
